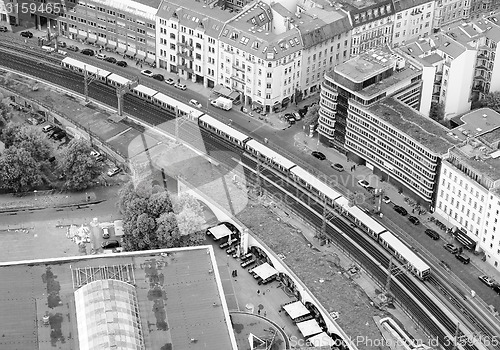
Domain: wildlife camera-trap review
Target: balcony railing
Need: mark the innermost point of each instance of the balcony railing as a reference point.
(238, 79)
(186, 45)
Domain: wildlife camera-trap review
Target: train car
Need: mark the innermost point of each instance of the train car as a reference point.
(80, 67)
(404, 254)
(175, 107)
(275, 159)
(117, 80)
(313, 184)
(222, 130)
(144, 92)
(359, 217)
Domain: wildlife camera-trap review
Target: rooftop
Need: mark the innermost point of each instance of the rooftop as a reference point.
(193, 13)
(480, 151)
(361, 5)
(176, 292)
(366, 65)
(422, 48)
(423, 130)
(252, 28)
(151, 3)
(401, 5)
(399, 77)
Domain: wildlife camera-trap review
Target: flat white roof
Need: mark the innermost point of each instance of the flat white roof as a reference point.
(295, 310)
(219, 231)
(119, 79)
(224, 128)
(362, 216)
(308, 328)
(269, 153)
(265, 271)
(404, 251)
(315, 182)
(320, 340)
(145, 90)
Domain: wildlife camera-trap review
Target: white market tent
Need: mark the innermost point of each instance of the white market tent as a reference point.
(321, 339)
(296, 310)
(265, 271)
(309, 328)
(219, 231)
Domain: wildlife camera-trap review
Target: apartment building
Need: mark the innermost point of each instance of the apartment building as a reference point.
(326, 36)
(468, 195)
(369, 107)
(414, 20)
(450, 66)
(372, 23)
(450, 11)
(4, 13)
(126, 26)
(187, 39)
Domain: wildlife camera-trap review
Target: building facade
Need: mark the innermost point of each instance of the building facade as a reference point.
(125, 26)
(369, 107)
(468, 194)
(187, 39)
(413, 20)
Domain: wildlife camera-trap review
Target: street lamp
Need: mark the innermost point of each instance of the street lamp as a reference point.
(35, 191)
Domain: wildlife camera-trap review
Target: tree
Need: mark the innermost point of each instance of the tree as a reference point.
(78, 166)
(29, 138)
(152, 220)
(437, 111)
(491, 100)
(312, 116)
(5, 114)
(18, 170)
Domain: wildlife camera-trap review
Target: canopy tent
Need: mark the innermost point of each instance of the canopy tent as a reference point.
(296, 310)
(265, 271)
(220, 231)
(321, 339)
(222, 90)
(150, 60)
(140, 55)
(121, 49)
(309, 328)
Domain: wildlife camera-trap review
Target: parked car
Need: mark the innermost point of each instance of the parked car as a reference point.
(414, 220)
(27, 34)
(96, 155)
(121, 63)
(59, 136)
(112, 172)
(47, 128)
(297, 116)
(3, 29)
(31, 121)
(170, 81)
(88, 52)
(432, 234)
(38, 117)
(61, 44)
(73, 48)
(195, 103)
(337, 167)
(318, 155)
(180, 86)
(100, 56)
(496, 288)
(463, 259)
(364, 183)
(110, 59)
(105, 233)
(490, 282)
(158, 77)
(386, 199)
(451, 248)
(147, 73)
(110, 244)
(400, 210)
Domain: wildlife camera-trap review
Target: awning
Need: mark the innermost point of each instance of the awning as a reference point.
(221, 90)
(462, 237)
(265, 271)
(296, 310)
(111, 46)
(309, 328)
(130, 53)
(140, 55)
(81, 37)
(120, 49)
(286, 100)
(219, 231)
(101, 41)
(91, 40)
(320, 340)
(234, 95)
(257, 104)
(150, 60)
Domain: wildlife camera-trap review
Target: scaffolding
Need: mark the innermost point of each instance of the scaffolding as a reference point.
(84, 275)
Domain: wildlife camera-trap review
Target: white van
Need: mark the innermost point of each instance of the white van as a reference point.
(48, 48)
